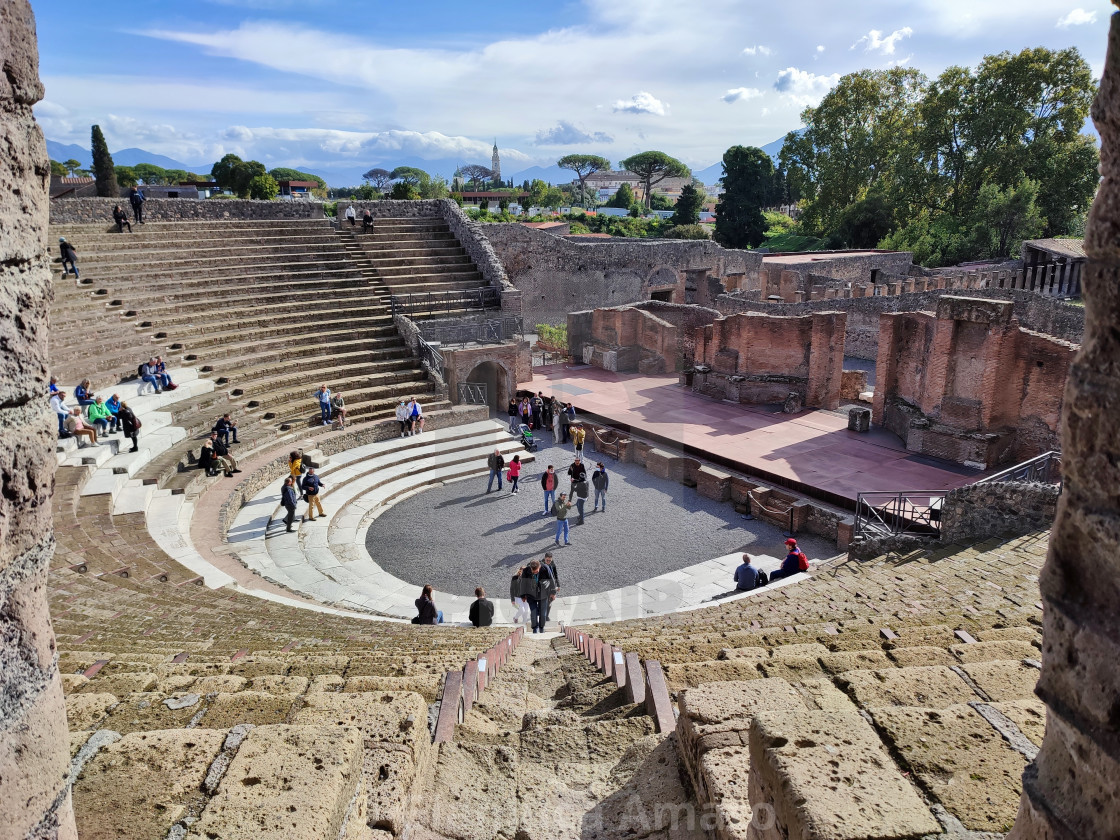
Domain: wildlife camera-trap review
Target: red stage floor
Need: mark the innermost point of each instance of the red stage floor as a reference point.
(814, 447)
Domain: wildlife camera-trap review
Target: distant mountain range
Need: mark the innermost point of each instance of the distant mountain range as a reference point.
(347, 174)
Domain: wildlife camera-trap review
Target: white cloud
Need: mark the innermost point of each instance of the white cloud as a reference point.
(757, 50)
(565, 133)
(1077, 17)
(820, 48)
(874, 41)
(735, 94)
(803, 86)
(901, 62)
(643, 102)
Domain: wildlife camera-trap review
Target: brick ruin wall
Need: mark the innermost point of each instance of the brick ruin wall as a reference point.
(556, 276)
(969, 384)
(650, 337)
(1034, 312)
(34, 743)
(794, 280)
(762, 358)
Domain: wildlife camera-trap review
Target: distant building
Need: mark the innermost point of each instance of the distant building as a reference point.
(205, 188)
(492, 197)
(1054, 266)
(64, 187)
(167, 191)
(607, 183)
(496, 163)
(297, 189)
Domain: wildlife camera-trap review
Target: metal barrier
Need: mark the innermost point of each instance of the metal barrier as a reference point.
(1044, 469)
(472, 393)
(432, 356)
(440, 303)
(490, 331)
(889, 513)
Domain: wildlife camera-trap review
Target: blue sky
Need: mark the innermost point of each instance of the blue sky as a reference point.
(324, 84)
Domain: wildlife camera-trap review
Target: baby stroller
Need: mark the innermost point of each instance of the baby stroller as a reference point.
(527, 439)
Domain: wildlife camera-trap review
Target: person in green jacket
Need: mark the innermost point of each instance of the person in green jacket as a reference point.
(560, 509)
(99, 415)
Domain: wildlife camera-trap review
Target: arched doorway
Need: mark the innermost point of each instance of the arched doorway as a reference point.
(496, 380)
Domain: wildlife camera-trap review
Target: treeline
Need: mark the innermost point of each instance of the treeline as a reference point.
(964, 166)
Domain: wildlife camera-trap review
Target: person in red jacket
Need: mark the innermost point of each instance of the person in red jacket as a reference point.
(514, 473)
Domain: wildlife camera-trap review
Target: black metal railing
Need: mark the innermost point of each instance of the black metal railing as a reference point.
(472, 393)
(1044, 469)
(431, 304)
(431, 356)
(491, 331)
(889, 513)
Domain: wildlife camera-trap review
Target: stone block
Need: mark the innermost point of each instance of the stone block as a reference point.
(792, 404)
(1004, 680)
(84, 710)
(713, 484)
(826, 776)
(290, 781)
(931, 686)
(693, 674)
(144, 783)
(961, 760)
(859, 419)
(256, 707)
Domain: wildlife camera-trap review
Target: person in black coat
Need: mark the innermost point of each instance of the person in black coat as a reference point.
(130, 424)
(121, 218)
(426, 612)
(288, 499)
(482, 610)
(538, 587)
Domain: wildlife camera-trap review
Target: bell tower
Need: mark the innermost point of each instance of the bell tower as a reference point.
(496, 163)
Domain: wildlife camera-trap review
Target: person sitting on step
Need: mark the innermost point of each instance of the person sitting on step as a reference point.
(796, 561)
(350, 215)
(338, 406)
(222, 456)
(121, 218)
(84, 394)
(367, 222)
(207, 461)
(99, 415)
(481, 612)
(77, 427)
(114, 406)
(426, 611)
(164, 376)
(61, 410)
(226, 426)
(148, 374)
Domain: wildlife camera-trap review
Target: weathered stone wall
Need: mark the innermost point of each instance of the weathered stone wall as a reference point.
(1072, 789)
(94, 210)
(557, 276)
(34, 744)
(793, 275)
(757, 358)
(961, 384)
(1033, 311)
(998, 509)
(651, 337)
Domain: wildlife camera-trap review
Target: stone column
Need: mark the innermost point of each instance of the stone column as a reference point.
(1072, 789)
(34, 745)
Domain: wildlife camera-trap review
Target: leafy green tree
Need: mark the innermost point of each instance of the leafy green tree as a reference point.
(378, 178)
(72, 166)
(687, 231)
(285, 173)
(126, 177)
(404, 191)
(1003, 218)
(58, 168)
(263, 187)
(860, 136)
(582, 166)
(653, 168)
(103, 165)
(660, 201)
(553, 198)
(478, 177)
(537, 190)
(688, 207)
(748, 185)
(622, 198)
(149, 173)
(408, 174)
(433, 186)
(864, 224)
(484, 205)
(224, 172)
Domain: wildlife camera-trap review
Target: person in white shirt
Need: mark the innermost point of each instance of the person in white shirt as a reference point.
(351, 216)
(58, 406)
(404, 412)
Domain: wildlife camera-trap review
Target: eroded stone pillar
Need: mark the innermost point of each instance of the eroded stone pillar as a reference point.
(34, 754)
(1072, 789)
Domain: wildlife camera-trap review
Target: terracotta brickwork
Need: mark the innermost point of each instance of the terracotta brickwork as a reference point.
(650, 337)
(755, 358)
(34, 796)
(967, 383)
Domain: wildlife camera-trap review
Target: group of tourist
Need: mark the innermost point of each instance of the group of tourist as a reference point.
(367, 218)
(332, 407)
(94, 417)
(532, 590)
(747, 577)
(410, 416)
(540, 412)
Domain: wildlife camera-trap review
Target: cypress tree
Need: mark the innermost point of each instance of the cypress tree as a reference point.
(103, 166)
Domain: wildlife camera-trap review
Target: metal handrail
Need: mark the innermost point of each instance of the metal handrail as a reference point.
(472, 393)
(431, 355)
(492, 331)
(1038, 469)
(432, 303)
(893, 513)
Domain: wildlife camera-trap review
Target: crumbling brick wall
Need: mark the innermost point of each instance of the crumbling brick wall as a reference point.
(34, 756)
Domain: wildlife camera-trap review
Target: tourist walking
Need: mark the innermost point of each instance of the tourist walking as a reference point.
(600, 481)
(538, 588)
(130, 425)
(310, 485)
(121, 218)
(576, 472)
(514, 474)
(136, 199)
(416, 416)
(560, 510)
(323, 395)
(481, 612)
(288, 499)
(581, 491)
(69, 257)
(351, 216)
(522, 606)
(496, 462)
(549, 480)
(426, 610)
(551, 564)
(578, 438)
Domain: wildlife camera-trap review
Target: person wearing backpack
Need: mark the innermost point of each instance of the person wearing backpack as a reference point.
(538, 587)
(560, 510)
(795, 561)
(496, 462)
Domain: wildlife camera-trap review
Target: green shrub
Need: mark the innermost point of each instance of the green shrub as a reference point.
(552, 338)
(687, 232)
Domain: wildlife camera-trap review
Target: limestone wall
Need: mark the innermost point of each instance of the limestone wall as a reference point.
(94, 210)
(986, 511)
(34, 744)
(1033, 311)
(557, 276)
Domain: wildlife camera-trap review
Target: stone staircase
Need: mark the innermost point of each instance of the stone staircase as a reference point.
(552, 749)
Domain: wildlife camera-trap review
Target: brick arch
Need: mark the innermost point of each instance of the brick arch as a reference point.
(493, 373)
(665, 283)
